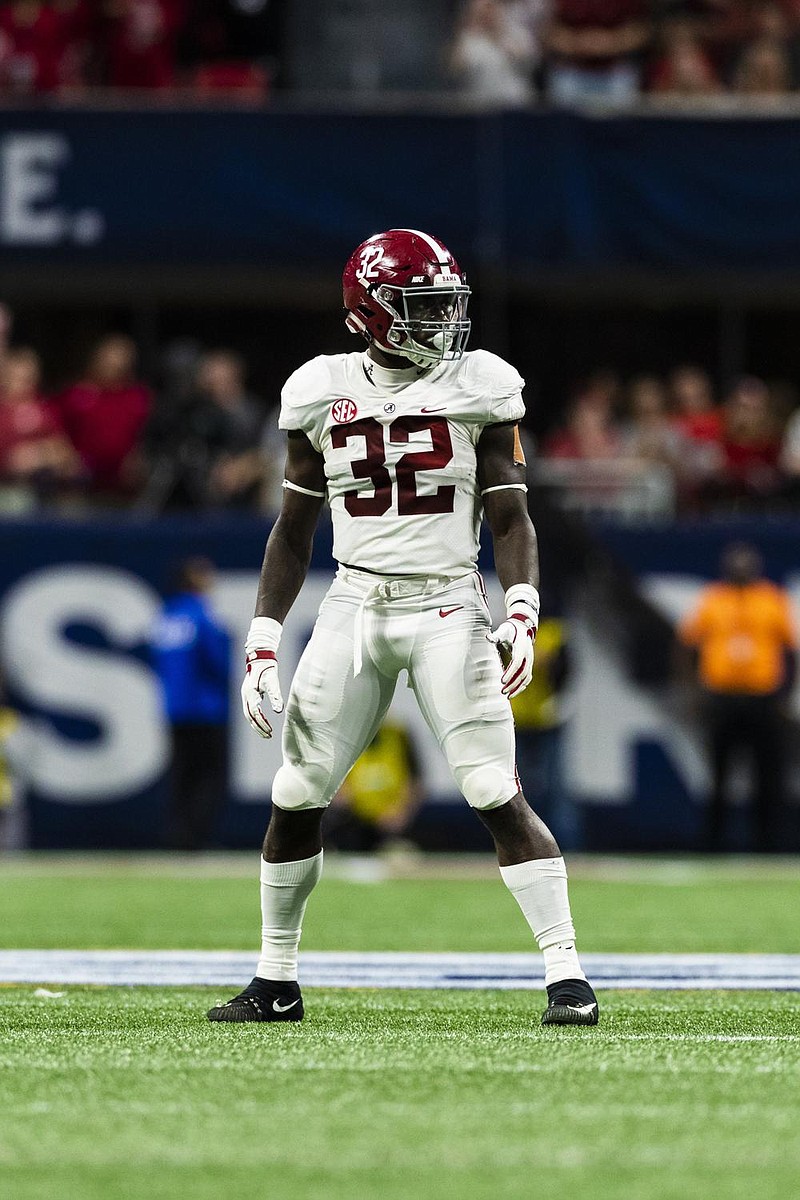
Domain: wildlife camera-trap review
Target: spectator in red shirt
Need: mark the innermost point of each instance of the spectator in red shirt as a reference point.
(31, 48)
(594, 47)
(140, 42)
(234, 45)
(683, 67)
(696, 413)
(751, 444)
(699, 421)
(33, 448)
(78, 25)
(104, 414)
(590, 431)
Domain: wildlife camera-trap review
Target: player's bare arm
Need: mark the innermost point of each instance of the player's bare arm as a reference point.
(288, 551)
(501, 477)
(283, 571)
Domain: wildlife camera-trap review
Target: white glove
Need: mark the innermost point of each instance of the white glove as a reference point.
(514, 638)
(262, 673)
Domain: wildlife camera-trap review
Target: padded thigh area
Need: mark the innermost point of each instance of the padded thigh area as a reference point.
(455, 674)
(331, 714)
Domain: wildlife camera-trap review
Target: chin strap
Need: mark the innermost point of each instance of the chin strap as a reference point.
(417, 360)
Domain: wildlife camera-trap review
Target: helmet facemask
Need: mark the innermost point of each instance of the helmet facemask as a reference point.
(429, 324)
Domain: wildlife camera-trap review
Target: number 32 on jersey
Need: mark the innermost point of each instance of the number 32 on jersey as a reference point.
(373, 466)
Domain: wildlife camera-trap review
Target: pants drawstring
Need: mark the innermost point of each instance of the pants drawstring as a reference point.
(386, 589)
(358, 629)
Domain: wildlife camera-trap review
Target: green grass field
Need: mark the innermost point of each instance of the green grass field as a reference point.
(130, 1093)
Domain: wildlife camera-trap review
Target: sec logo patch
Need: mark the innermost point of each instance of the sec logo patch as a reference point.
(344, 410)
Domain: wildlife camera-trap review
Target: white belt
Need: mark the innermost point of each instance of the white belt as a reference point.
(386, 589)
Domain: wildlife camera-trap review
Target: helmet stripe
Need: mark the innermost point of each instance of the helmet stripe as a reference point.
(442, 255)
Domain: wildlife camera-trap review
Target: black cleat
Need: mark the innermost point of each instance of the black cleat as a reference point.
(571, 1002)
(262, 1000)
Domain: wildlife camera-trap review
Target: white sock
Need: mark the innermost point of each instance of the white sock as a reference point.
(285, 888)
(540, 889)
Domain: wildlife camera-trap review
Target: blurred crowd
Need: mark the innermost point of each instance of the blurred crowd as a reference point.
(507, 52)
(676, 444)
(612, 51)
(198, 440)
(195, 437)
(71, 46)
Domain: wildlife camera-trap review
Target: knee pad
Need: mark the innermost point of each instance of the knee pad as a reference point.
(487, 786)
(294, 789)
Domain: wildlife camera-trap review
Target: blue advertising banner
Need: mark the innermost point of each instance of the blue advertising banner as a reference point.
(77, 604)
(518, 190)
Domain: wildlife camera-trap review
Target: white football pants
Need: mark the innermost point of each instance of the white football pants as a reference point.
(369, 629)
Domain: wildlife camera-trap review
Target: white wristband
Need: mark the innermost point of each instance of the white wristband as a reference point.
(523, 593)
(264, 634)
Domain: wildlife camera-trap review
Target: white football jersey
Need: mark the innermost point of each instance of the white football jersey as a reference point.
(400, 454)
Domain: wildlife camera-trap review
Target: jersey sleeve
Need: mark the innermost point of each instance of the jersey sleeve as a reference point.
(302, 400)
(497, 387)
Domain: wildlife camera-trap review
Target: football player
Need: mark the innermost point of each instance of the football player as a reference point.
(410, 442)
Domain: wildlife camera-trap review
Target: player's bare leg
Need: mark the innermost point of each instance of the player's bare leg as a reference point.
(292, 836)
(534, 872)
(519, 835)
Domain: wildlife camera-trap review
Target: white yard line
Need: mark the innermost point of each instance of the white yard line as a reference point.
(508, 972)
(665, 870)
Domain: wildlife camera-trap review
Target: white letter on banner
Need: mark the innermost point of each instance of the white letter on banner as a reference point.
(109, 687)
(253, 762)
(29, 166)
(611, 713)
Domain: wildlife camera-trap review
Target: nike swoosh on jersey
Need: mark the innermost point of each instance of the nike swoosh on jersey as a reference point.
(445, 612)
(432, 410)
(278, 1007)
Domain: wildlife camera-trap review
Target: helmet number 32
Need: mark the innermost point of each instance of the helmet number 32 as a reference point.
(370, 258)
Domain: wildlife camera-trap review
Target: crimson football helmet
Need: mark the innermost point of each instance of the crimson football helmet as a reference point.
(404, 291)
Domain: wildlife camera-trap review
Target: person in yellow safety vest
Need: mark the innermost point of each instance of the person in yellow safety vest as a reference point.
(539, 717)
(379, 798)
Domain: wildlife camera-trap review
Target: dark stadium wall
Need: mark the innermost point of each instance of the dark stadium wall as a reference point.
(542, 190)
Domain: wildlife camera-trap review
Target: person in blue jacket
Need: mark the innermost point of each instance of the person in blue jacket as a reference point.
(191, 654)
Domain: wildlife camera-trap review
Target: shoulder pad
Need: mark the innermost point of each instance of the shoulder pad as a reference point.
(490, 373)
(303, 397)
(308, 383)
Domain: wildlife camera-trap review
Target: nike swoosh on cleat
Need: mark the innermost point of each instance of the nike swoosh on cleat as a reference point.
(445, 612)
(278, 1007)
(585, 1010)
